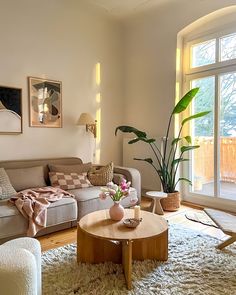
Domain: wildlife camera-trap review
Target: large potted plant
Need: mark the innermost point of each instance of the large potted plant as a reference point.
(166, 163)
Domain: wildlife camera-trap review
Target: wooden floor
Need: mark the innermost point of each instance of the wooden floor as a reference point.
(68, 236)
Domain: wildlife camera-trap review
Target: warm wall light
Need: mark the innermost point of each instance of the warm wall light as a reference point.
(98, 74)
(87, 119)
(178, 59)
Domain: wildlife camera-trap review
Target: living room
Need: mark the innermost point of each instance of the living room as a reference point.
(123, 63)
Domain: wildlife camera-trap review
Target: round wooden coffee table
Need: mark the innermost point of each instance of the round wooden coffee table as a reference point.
(100, 239)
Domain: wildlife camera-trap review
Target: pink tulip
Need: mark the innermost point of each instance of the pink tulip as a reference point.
(114, 191)
(124, 185)
(111, 191)
(134, 201)
(102, 196)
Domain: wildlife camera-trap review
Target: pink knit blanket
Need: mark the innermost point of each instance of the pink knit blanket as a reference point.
(33, 204)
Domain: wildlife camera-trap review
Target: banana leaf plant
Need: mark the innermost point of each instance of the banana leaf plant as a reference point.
(166, 163)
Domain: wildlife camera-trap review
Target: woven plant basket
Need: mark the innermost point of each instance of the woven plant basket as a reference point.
(172, 202)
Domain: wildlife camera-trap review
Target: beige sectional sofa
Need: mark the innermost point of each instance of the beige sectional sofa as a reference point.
(63, 213)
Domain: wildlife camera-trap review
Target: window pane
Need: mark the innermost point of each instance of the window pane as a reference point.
(228, 47)
(203, 53)
(203, 135)
(228, 136)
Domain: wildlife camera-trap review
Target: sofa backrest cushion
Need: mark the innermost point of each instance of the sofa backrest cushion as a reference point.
(6, 188)
(78, 168)
(23, 178)
(40, 162)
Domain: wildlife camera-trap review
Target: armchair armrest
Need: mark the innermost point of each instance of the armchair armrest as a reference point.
(133, 175)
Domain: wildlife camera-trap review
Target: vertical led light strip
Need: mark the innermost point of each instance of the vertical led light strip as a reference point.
(98, 74)
(177, 89)
(98, 112)
(177, 92)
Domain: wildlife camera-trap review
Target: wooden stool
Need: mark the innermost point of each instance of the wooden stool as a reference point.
(156, 196)
(226, 222)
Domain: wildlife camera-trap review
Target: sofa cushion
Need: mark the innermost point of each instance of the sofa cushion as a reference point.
(62, 211)
(78, 168)
(69, 180)
(88, 200)
(14, 224)
(6, 188)
(23, 178)
(101, 175)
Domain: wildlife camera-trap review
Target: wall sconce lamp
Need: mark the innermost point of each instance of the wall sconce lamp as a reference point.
(87, 119)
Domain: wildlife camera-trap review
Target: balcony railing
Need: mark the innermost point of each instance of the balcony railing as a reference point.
(204, 159)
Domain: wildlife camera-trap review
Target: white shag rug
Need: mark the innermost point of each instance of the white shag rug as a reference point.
(194, 267)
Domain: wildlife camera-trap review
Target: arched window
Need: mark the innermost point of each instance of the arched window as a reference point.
(210, 64)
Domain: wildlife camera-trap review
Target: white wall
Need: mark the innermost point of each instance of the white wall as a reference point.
(62, 40)
(150, 65)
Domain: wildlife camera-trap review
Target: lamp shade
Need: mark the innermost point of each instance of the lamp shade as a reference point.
(85, 118)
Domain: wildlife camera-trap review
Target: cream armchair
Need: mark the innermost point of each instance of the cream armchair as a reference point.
(20, 267)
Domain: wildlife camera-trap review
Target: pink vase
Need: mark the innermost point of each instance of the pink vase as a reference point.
(117, 211)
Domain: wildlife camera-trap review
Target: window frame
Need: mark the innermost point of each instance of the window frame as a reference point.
(188, 43)
(189, 74)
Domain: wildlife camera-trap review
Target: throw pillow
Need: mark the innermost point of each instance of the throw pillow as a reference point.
(23, 178)
(6, 189)
(101, 175)
(78, 168)
(117, 178)
(69, 180)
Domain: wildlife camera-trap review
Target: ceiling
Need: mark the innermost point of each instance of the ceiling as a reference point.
(123, 8)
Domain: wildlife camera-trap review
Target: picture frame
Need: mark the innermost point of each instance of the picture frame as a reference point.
(45, 102)
(10, 110)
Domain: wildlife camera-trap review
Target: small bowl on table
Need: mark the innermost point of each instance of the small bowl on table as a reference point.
(132, 222)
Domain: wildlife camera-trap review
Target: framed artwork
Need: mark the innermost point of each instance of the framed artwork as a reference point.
(10, 110)
(45, 103)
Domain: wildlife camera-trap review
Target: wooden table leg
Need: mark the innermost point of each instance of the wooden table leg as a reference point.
(94, 250)
(158, 207)
(151, 248)
(226, 243)
(154, 206)
(127, 262)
